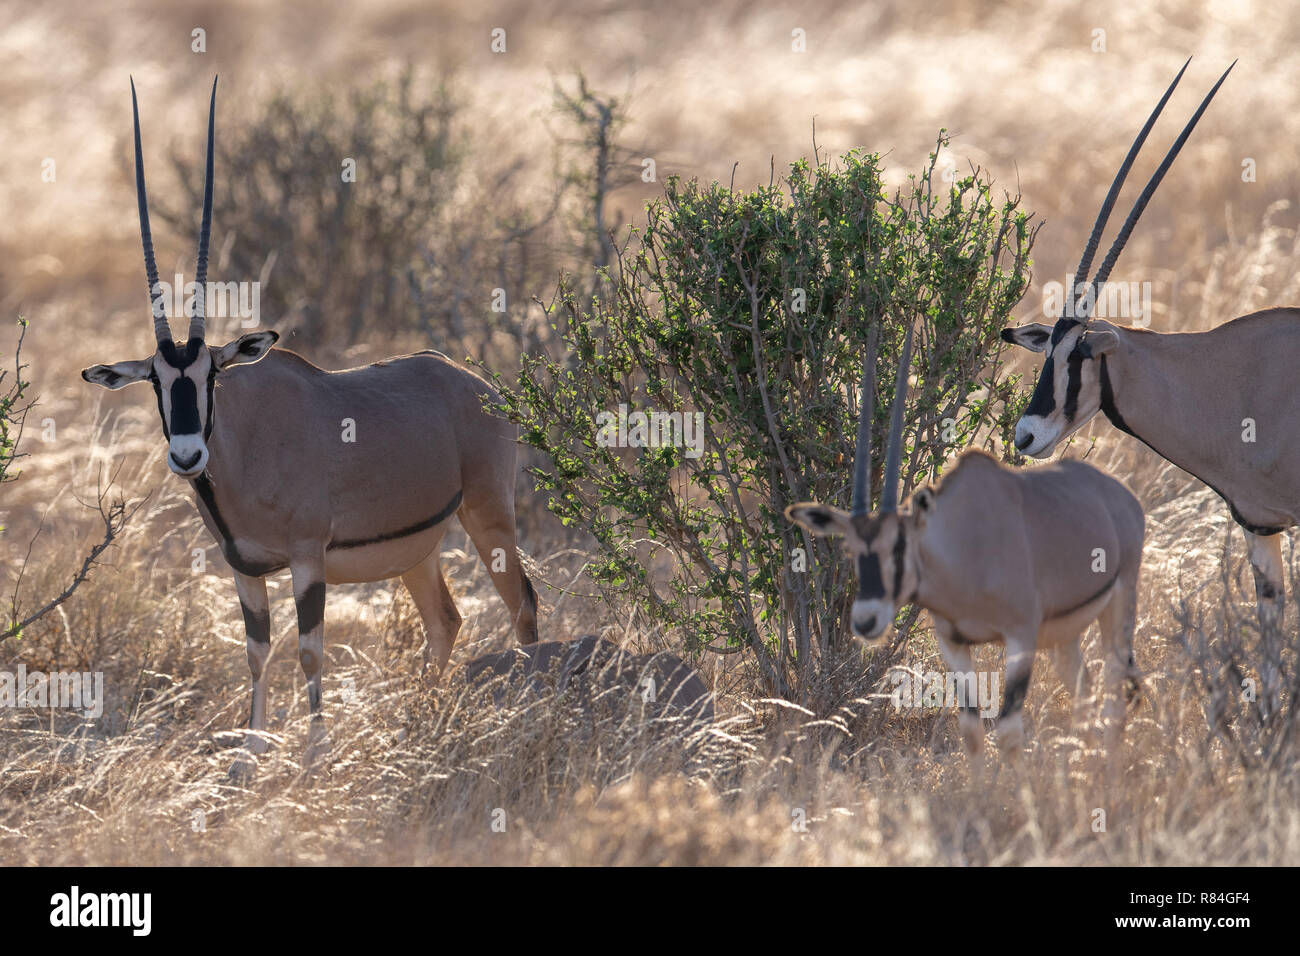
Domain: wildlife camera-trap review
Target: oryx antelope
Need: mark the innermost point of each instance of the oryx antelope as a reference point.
(1025, 557)
(1222, 404)
(279, 487)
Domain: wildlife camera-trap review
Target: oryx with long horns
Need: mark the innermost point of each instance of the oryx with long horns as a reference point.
(1220, 405)
(1024, 557)
(337, 476)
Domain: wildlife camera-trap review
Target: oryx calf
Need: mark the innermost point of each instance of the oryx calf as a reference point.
(337, 476)
(1025, 557)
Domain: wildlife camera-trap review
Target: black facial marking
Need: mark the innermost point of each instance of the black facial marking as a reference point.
(157, 391)
(1062, 326)
(900, 547)
(424, 525)
(212, 380)
(1043, 399)
(311, 608)
(1073, 382)
(1015, 696)
(184, 395)
(870, 584)
(185, 407)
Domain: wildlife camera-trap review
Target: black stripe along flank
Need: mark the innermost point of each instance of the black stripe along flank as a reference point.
(437, 519)
(203, 486)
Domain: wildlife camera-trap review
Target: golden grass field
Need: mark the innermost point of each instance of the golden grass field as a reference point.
(415, 774)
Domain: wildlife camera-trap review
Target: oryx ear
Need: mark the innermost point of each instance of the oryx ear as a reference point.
(1034, 336)
(922, 504)
(1099, 342)
(119, 374)
(245, 350)
(819, 519)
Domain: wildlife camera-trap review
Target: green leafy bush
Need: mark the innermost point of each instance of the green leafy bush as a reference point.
(754, 309)
(14, 405)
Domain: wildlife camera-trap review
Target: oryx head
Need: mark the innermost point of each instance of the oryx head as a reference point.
(1074, 381)
(879, 543)
(183, 376)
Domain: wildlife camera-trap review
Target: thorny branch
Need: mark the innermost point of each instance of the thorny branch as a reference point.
(115, 517)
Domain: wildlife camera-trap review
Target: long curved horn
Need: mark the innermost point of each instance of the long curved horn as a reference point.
(1112, 256)
(1090, 250)
(866, 411)
(205, 228)
(894, 450)
(161, 330)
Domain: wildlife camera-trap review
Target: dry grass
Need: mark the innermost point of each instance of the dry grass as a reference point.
(415, 775)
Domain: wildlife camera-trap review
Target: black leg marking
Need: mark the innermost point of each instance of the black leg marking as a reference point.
(257, 624)
(1263, 588)
(311, 608)
(530, 601)
(313, 698)
(1014, 698)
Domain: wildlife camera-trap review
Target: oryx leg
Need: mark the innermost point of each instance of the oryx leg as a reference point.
(492, 529)
(957, 655)
(1121, 680)
(1067, 659)
(1265, 552)
(437, 610)
(257, 635)
(309, 596)
(1020, 667)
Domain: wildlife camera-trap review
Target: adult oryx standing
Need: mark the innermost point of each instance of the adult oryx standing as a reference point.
(1024, 557)
(279, 487)
(1221, 404)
